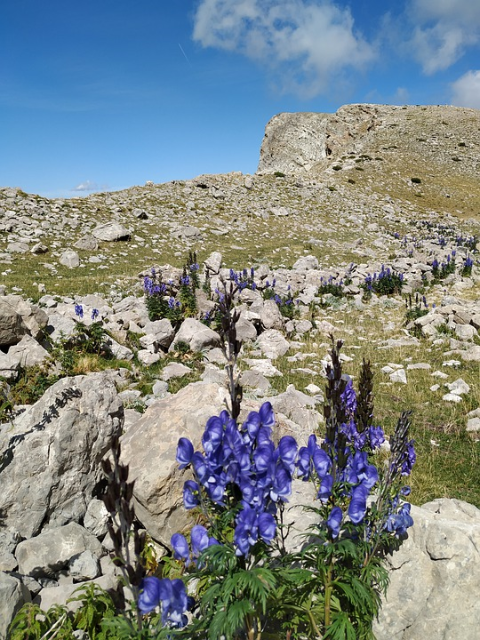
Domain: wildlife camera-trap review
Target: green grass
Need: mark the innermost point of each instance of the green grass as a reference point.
(448, 458)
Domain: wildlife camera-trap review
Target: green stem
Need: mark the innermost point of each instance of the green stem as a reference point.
(328, 595)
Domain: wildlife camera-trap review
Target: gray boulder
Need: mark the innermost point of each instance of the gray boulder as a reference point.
(70, 259)
(435, 576)
(86, 243)
(111, 232)
(13, 595)
(197, 335)
(273, 344)
(28, 352)
(69, 430)
(18, 318)
(50, 552)
(150, 450)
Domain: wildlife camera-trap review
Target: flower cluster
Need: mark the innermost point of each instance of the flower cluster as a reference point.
(467, 267)
(385, 282)
(200, 540)
(441, 271)
(245, 460)
(171, 595)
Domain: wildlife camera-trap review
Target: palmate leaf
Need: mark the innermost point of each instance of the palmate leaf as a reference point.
(254, 585)
(229, 621)
(341, 628)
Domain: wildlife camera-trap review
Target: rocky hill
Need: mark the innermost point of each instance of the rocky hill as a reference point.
(342, 205)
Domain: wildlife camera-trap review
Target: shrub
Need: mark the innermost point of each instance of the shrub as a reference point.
(386, 282)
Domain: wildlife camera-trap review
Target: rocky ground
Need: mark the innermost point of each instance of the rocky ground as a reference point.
(315, 216)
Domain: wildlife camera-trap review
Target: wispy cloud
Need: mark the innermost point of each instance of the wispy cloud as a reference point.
(466, 90)
(303, 45)
(443, 30)
(87, 186)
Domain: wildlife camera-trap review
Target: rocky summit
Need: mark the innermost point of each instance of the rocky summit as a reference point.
(361, 224)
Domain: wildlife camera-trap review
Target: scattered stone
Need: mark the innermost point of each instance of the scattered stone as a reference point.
(70, 259)
(459, 387)
(399, 376)
(111, 232)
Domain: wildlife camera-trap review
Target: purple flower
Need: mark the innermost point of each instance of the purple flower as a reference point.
(152, 592)
(358, 504)
(267, 416)
(213, 435)
(376, 436)
(398, 523)
(287, 448)
(180, 548)
(322, 462)
(267, 527)
(79, 311)
(199, 539)
(349, 398)
(174, 604)
(334, 521)
(184, 452)
(362, 472)
(246, 531)
(95, 314)
(409, 459)
(190, 494)
(325, 490)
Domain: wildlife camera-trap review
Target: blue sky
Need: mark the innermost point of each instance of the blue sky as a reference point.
(103, 94)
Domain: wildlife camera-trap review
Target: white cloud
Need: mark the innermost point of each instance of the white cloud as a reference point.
(444, 30)
(86, 186)
(303, 44)
(466, 90)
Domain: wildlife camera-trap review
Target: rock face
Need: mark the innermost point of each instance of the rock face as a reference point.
(435, 576)
(298, 141)
(19, 318)
(150, 450)
(50, 462)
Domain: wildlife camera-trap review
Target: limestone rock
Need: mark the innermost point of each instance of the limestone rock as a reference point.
(70, 259)
(70, 429)
(13, 594)
(435, 576)
(28, 352)
(197, 335)
(51, 551)
(150, 450)
(111, 232)
(273, 344)
(18, 318)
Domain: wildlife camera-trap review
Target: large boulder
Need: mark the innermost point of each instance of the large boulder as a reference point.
(19, 318)
(197, 335)
(435, 576)
(111, 232)
(52, 551)
(13, 594)
(50, 460)
(150, 450)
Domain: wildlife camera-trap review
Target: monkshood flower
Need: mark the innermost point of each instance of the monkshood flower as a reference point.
(250, 525)
(399, 522)
(79, 311)
(171, 595)
(191, 493)
(358, 504)
(349, 398)
(241, 461)
(200, 540)
(95, 314)
(409, 458)
(334, 521)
